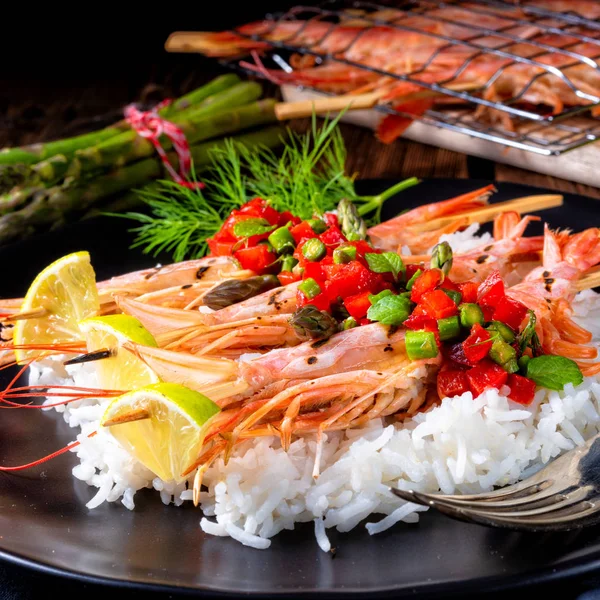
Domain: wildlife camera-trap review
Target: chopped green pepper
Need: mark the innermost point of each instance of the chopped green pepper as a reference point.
(501, 353)
(314, 250)
(421, 345)
(349, 323)
(310, 288)
(288, 263)
(505, 331)
(449, 328)
(282, 241)
(344, 254)
(523, 362)
(412, 280)
(470, 314)
(455, 296)
(317, 225)
(512, 366)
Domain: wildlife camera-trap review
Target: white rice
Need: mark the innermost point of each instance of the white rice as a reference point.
(464, 445)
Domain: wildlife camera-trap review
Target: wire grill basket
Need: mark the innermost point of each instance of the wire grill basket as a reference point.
(498, 66)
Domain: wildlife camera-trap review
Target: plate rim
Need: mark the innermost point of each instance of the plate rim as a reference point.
(562, 571)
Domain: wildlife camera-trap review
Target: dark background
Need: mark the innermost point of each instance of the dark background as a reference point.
(50, 50)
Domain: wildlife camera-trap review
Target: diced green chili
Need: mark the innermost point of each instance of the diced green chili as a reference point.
(455, 296)
(314, 250)
(282, 241)
(373, 298)
(470, 314)
(344, 254)
(349, 323)
(310, 288)
(421, 345)
(288, 263)
(412, 280)
(501, 352)
(523, 361)
(504, 330)
(449, 328)
(317, 225)
(512, 366)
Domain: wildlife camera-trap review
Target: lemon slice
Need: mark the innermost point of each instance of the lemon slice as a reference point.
(124, 370)
(66, 290)
(170, 438)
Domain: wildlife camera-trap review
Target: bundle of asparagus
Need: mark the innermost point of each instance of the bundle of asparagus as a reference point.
(45, 185)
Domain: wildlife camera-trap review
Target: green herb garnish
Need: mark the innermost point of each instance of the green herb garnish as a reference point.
(390, 310)
(553, 372)
(251, 227)
(386, 262)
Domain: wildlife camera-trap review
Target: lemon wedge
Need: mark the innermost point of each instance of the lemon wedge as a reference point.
(124, 370)
(169, 437)
(65, 293)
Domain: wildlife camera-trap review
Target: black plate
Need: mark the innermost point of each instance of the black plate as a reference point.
(45, 525)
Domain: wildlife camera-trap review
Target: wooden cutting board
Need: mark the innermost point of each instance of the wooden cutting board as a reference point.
(581, 165)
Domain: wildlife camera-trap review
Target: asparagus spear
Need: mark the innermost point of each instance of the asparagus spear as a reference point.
(244, 117)
(36, 152)
(128, 146)
(310, 323)
(53, 206)
(351, 223)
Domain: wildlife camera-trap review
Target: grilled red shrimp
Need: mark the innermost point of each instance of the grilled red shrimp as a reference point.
(355, 376)
(175, 284)
(549, 291)
(258, 322)
(395, 233)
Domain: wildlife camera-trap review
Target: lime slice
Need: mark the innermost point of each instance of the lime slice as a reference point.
(66, 290)
(124, 370)
(170, 438)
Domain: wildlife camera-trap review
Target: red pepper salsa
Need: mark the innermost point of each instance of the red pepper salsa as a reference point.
(346, 279)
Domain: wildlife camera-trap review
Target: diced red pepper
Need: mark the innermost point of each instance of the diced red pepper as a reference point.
(411, 270)
(287, 217)
(258, 207)
(509, 311)
(331, 220)
(438, 305)
(352, 279)
(320, 301)
(363, 248)
(252, 208)
(478, 344)
(358, 305)
(332, 236)
(418, 322)
(364, 321)
(220, 248)
(314, 270)
(258, 259)
(329, 268)
(469, 291)
(426, 282)
(287, 277)
(302, 231)
(488, 312)
(487, 374)
(452, 382)
(447, 284)
(522, 389)
(491, 291)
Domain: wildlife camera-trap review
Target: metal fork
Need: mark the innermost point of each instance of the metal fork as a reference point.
(563, 495)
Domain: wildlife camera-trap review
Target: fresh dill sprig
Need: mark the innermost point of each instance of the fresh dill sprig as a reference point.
(307, 178)
(181, 220)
